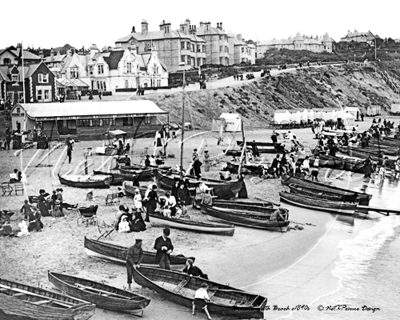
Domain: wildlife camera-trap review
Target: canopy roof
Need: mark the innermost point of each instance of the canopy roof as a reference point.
(114, 133)
(89, 109)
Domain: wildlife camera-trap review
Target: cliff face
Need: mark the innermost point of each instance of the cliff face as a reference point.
(349, 85)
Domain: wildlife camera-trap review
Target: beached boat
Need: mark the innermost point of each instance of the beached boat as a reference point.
(254, 169)
(258, 143)
(366, 155)
(144, 174)
(196, 226)
(100, 294)
(130, 187)
(386, 150)
(318, 204)
(22, 302)
(350, 195)
(244, 219)
(117, 254)
(117, 178)
(222, 189)
(313, 192)
(86, 181)
(180, 288)
(243, 205)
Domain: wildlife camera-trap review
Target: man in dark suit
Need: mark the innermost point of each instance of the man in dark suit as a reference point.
(164, 247)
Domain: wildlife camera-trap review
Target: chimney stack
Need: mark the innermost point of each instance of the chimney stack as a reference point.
(145, 26)
(133, 29)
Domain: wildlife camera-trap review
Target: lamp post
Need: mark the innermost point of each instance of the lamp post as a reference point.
(182, 64)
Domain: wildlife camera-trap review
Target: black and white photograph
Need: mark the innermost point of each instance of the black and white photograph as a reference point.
(199, 160)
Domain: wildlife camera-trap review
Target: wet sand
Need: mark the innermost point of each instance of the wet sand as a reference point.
(292, 268)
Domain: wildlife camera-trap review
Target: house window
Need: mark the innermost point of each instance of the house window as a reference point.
(7, 61)
(20, 99)
(198, 61)
(227, 49)
(147, 120)
(91, 70)
(39, 95)
(147, 46)
(182, 58)
(242, 50)
(198, 48)
(46, 94)
(43, 78)
(158, 83)
(182, 45)
(204, 48)
(129, 67)
(221, 49)
(127, 121)
(15, 77)
(126, 84)
(100, 69)
(74, 73)
(188, 46)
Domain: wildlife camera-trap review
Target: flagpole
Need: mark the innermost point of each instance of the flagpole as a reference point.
(23, 73)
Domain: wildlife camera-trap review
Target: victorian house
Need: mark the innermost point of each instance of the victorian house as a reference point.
(37, 79)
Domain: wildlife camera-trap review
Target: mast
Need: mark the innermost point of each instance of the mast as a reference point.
(183, 119)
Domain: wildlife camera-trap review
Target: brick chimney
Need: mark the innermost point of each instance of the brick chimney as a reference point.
(184, 27)
(201, 24)
(145, 26)
(41, 54)
(192, 29)
(239, 37)
(165, 26)
(219, 25)
(133, 29)
(52, 54)
(208, 26)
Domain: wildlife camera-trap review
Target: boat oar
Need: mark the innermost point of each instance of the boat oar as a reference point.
(106, 234)
(274, 203)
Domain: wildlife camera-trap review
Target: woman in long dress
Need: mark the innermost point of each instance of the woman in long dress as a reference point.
(42, 203)
(206, 160)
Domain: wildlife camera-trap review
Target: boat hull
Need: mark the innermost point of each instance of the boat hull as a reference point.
(98, 184)
(318, 204)
(116, 300)
(244, 220)
(117, 254)
(117, 178)
(13, 308)
(224, 301)
(217, 229)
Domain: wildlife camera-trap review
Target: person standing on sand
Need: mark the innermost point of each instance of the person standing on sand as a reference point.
(206, 160)
(164, 247)
(200, 300)
(152, 202)
(133, 260)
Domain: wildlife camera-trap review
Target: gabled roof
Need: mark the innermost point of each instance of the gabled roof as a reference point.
(112, 58)
(26, 54)
(27, 70)
(89, 108)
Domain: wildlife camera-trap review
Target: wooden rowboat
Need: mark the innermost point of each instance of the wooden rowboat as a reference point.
(366, 155)
(258, 143)
(145, 174)
(196, 226)
(318, 204)
(117, 254)
(22, 302)
(222, 189)
(312, 192)
(241, 205)
(116, 178)
(84, 181)
(245, 219)
(254, 169)
(180, 288)
(351, 196)
(102, 295)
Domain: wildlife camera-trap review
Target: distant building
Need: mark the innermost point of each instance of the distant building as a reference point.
(12, 55)
(40, 83)
(172, 46)
(356, 36)
(299, 42)
(195, 46)
(107, 70)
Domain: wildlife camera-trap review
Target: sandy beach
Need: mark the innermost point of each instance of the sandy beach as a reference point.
(291, 269)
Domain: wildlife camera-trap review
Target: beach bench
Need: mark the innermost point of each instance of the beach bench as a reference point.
(112, 198)
(6, 188)
(18, 187)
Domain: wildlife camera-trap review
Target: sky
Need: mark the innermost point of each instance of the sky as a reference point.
(53, 23)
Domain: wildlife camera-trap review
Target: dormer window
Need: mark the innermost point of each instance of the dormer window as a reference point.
(6, 61)
(43, 78)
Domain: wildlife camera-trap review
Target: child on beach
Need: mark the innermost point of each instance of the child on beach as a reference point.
(200, 300)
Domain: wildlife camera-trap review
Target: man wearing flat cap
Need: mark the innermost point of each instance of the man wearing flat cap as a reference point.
(133, 259)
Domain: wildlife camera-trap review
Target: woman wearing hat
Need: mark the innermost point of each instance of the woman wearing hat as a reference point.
(42, 203)
(137, 222)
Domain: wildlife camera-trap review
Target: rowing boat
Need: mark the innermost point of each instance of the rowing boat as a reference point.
(85, 181)
(258, 143)
(117, 178)
(100, 294)
(318, 204)
(197, 226)
(366, 155)
(222, 189)
(180, 288)
(22, 302)
(312, 192)
(254, 169)
(145, 174)
(117, 254)
(241, 205)
(244, 219)
(350, 195)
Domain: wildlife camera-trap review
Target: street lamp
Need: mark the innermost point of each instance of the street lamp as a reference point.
(182, 64)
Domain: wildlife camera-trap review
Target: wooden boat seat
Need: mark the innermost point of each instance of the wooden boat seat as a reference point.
(211, 294)
(101, 292)
(180, 285)
(19, 294)
(40, 302)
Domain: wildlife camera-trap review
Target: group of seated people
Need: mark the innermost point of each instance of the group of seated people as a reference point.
(129, 221)
(121, 149)
(171, 208)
